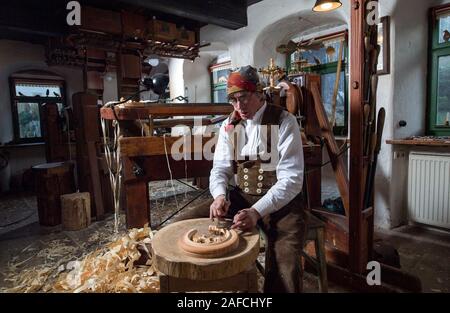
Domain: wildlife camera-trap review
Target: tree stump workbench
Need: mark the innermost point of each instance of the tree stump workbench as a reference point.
(184, 272)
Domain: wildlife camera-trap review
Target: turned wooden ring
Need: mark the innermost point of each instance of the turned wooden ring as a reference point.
(209, 250)
(172, 260)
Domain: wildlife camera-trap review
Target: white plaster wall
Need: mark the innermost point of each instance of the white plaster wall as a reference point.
(403, 94)
(197, 79)
(16, 56)
(385, 94)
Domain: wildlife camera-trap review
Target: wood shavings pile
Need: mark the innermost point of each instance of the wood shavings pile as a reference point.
(113, 269)
(37, 278)
(30, 280)
(125, 265)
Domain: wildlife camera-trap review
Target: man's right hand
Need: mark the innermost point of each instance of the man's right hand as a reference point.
(219, 207)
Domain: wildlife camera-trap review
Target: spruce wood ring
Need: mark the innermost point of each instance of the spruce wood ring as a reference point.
(218, 242)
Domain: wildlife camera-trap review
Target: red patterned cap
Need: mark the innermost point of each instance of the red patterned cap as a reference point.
(244, 79)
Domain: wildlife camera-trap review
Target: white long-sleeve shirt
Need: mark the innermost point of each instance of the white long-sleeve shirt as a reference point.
(289, 168)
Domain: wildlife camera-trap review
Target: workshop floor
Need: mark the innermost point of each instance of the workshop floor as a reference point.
(423, 252)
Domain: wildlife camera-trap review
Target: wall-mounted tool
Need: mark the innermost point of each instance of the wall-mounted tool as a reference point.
(368, 194)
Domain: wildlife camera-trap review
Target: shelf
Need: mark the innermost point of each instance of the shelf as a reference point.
(430, 142)
(22, 145)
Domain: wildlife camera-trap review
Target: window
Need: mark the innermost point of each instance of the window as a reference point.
(439, 79)
(323, 60)
(219, 77)
(28, 95)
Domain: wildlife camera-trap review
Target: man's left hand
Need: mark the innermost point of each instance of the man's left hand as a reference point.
(246, 219)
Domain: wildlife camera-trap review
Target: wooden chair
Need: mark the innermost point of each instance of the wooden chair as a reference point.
(316, 233)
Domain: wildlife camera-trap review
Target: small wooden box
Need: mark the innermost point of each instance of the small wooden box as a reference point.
(99, 20)
(133, 25)
(186, 37)
(161, 30)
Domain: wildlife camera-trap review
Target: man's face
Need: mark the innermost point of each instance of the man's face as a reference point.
(245, 103)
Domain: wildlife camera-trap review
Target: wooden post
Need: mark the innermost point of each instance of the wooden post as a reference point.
(86, 122)
(138, 204)
(76, 211)
(357, 238)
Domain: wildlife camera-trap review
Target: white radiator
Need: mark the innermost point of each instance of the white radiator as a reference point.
(429, 188)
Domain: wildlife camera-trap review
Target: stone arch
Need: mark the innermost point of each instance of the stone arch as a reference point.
(297, 25)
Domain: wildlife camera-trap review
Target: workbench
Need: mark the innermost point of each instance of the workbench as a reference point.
(144, 158)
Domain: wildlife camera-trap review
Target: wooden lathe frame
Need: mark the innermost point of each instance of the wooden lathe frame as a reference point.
(149, 155)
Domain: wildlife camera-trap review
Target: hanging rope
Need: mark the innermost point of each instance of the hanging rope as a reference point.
(112, 157)
(170, 170)
(185, 165)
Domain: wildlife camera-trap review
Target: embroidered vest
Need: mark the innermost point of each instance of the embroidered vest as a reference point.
(252, 179)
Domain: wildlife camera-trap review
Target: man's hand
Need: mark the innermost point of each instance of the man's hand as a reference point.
(219, 207)
(246, 219)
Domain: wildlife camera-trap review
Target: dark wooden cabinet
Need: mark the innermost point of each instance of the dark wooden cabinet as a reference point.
(131, 66)
(94, 81)
(98, 20)
(134, 25)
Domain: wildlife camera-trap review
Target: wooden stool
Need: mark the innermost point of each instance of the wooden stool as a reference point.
(52, 181)
(315, 231)
(181, 272)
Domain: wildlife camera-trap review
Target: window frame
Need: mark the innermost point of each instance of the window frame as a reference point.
(329, 68)
(13, 81)
(218, 86)
(435, 51)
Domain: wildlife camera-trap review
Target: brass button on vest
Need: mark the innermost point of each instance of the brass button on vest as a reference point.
(252, 179)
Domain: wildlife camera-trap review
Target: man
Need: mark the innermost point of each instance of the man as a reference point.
(269, 178)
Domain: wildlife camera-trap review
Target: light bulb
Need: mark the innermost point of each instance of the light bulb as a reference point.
(326, 6)
(153, 62)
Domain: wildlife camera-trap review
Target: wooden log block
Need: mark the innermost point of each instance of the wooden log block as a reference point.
(246, 281)
(76, 210)
(172, 261)
(52, 181)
